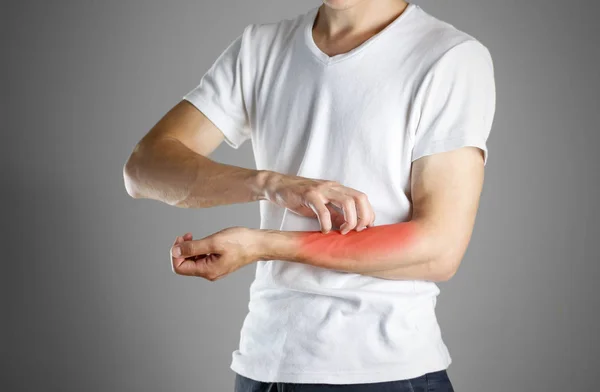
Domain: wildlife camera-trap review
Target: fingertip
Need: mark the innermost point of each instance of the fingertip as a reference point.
(344, 228)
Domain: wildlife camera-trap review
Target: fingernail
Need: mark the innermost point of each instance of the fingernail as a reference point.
(176, 251)
(361, 228)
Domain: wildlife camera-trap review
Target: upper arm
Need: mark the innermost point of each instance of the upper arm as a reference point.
(215, 110)
(190, 126)
(455, 106)
(446, 189)
(225, 92)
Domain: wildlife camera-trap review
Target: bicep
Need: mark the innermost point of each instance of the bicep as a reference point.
(190, 126)
(445, 191)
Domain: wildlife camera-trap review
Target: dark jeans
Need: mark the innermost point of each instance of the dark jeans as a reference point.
(430, 382)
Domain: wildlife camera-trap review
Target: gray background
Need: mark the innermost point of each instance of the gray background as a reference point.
(90, 301)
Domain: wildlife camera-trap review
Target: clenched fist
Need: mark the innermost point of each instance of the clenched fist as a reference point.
(217, 255)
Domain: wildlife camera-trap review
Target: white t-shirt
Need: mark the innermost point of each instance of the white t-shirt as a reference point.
(418, 87)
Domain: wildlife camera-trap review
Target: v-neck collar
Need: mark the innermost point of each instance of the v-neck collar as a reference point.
(309, 21)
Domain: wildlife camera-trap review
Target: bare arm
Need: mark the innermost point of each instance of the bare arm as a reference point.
(171, 164)
(446, 189)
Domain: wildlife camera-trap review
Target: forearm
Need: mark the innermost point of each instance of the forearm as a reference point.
(170, 172)
(405, 250)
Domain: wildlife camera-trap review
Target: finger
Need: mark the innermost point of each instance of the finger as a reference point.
(194, 259)
(346, 203)
(176, 261)
(350, 215)
(174, 252)
(337, 215)
(178, 240)
(181, 239)
(195, 247)
(364, 211)
(190, 267)
(372, 220)
(317, 204)
(304, 211)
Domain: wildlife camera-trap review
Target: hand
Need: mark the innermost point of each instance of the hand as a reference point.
(329, 201)
(217, 255)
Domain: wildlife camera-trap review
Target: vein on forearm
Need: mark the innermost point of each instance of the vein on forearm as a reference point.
(220, 184)
(169, 171)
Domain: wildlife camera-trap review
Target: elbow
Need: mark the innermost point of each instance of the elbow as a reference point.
(129, 179)
(446, 267)
(446, 274)
(446, 257)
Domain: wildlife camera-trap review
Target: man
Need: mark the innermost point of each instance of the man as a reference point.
(369, 121)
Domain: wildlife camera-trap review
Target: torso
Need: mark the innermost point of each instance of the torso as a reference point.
(349, 117)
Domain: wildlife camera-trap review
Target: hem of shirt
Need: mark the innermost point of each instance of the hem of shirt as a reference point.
(396, 373)
(451, 144)
(234, 136)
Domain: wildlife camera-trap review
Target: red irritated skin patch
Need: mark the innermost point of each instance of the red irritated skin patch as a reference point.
(370, 249)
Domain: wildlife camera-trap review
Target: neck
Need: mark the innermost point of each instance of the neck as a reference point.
(363, 17)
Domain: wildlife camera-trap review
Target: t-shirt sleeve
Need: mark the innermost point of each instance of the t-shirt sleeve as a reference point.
(220, 93)
(456, 102)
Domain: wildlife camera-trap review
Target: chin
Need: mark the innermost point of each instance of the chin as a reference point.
(340, 4)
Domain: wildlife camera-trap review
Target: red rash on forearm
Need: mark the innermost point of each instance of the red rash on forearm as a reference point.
(374, 247)
(378, 240)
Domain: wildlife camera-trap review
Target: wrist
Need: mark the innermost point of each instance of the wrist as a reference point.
(263, 183)
(271, 185)
(270, 244)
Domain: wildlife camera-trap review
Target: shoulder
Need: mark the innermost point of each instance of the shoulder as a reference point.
(271, 35)
(441, 41)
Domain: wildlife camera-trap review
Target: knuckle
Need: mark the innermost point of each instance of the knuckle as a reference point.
(328, 184)
(349, 203)
(174, 266)
(311, 193)
(365, 218)
(212, 243)
(362, 197)
(211, 276)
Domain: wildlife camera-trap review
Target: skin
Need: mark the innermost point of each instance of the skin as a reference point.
(342, 25)
(171, 164)
(445, 187)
